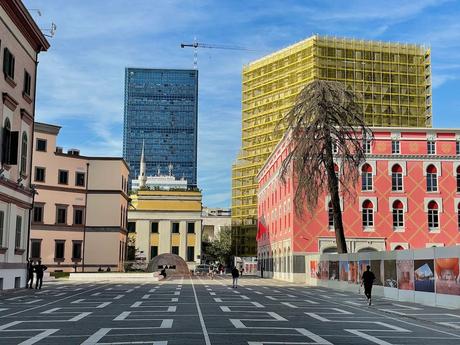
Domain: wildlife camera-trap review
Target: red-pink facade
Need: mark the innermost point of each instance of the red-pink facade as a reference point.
(387, 216)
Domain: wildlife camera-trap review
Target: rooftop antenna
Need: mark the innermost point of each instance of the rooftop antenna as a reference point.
(35, 10)
(51, 30)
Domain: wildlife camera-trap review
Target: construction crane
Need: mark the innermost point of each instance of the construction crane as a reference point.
(195, 45)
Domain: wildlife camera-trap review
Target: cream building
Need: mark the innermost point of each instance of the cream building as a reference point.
(167, 222)
(79, 219)
(214, 220)
(21, 42)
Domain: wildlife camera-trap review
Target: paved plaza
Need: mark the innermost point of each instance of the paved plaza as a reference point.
(182, 311)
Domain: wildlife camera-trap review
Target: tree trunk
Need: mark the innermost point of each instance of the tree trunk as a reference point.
(333, 187)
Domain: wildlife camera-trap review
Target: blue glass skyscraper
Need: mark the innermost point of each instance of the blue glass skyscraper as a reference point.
(161, 110)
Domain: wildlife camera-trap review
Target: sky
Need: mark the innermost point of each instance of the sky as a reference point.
(81, 77)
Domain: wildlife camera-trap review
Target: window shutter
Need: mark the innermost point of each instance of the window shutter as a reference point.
(5, 60)
(13, 152)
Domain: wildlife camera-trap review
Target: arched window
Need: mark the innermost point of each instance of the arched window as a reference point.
(330, 214)
(366, 177)
(398, 214)
(24, 154)
(399, 247)
(458, 179)
(431, 178)
(433, 215)
(6, 141)
(396, 178)
(368, 214)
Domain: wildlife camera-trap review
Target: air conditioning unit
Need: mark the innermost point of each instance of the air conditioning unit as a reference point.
(73, 152)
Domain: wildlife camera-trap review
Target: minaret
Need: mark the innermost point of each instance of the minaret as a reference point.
(142, 177)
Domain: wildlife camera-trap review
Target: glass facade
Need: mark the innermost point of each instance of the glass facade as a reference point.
(161, 109)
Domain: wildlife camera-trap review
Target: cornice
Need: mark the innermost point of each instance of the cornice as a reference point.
(9, 101)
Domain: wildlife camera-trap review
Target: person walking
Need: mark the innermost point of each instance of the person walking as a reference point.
(30, 274)
(235, 275)
(39, 270)
(368, 280)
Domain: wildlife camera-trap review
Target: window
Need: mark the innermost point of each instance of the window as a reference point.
(431, 147)
(366, 146)
(153, 251)
(457, 147)
(59, 248)
(175, 250)
(8, 63)
(24, 154)
(433, 215)
(396, 178)
(41, 145)
(35, 249)
(2, 226)
(395, 146)
(27, 83)
(175, 228)
(80, 179)
(398, 214)
(63, 177)
(190, 228)
(61, 215)
(76, 250)
(368, 214)
(431, 179)
(366, 177)
(154, 227)
(9, 144)
(38, 214)
(458, 179)
(190, 253)
(18, 237)
(330, 214)
(458, 216)
(78, 216)
(39, 174)
(131, 226)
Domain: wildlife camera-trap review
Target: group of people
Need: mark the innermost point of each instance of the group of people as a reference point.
(39, 270)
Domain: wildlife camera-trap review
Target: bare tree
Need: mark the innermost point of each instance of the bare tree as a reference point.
(326, 126)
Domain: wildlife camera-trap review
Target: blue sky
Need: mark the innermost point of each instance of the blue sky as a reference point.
(81, 80)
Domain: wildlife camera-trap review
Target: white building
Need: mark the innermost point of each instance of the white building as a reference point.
(214, 220)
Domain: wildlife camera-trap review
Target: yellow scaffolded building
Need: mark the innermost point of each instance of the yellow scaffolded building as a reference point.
(394, 80)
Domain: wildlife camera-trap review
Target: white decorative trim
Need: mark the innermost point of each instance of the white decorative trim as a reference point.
(372, 199)
(373, 165)
(395, 135)
(401, 163)
(426, 201)
(326, 203)
(391, 200)
(436, 164)
(431, 136)
(456, 201)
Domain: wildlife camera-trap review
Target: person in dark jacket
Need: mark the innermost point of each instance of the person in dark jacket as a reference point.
(368, 280)
(39, 270)
(30, 274)
(235, 275)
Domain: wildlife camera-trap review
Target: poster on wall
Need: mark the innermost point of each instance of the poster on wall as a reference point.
(353, 272)
(333, 270)
(375, 268)
(324, 270)
(344, 270)
(447, 276)
(389, 273)
(362, 264)
(424, 275)
(405, 270)
(314, 269)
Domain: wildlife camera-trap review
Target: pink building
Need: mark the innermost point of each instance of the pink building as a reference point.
(408, 197)
(21, 42)
(79, 219)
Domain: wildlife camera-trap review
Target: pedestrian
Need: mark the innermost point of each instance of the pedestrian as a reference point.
(163, 272)
(108, 269)
(367, 280)
(235, 275)
(99, 269)
(241, 271)
(261, 271)
(30, 274)
(39, 270)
